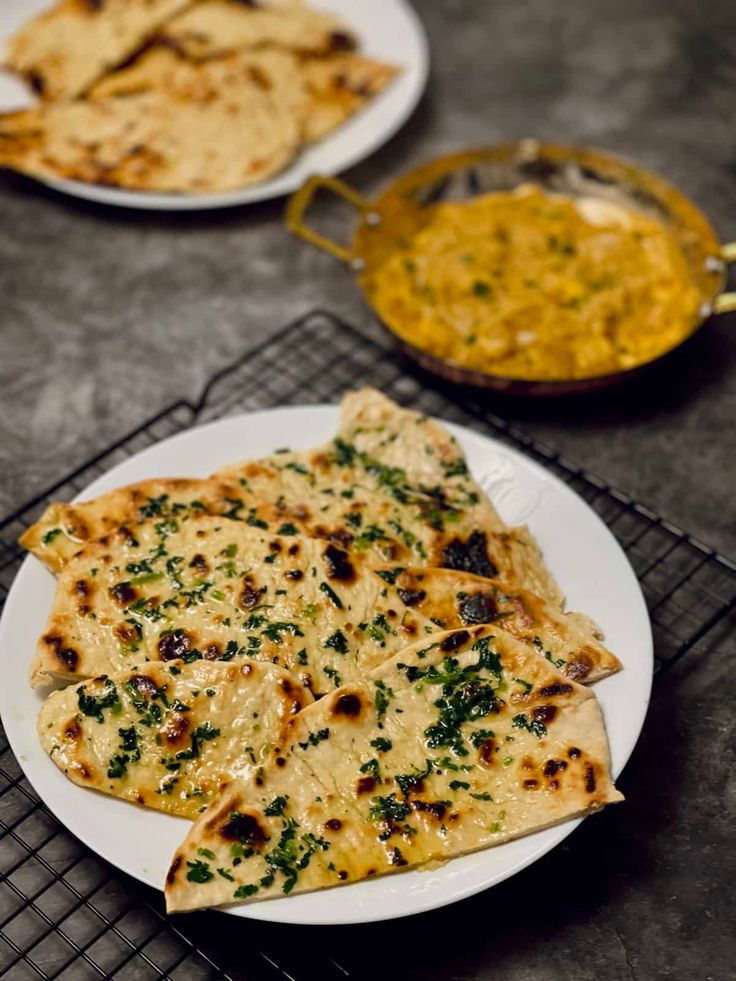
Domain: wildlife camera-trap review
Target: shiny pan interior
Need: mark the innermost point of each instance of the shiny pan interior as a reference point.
(390, 221)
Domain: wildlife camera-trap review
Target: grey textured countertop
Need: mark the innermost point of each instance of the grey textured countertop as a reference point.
(107, 316)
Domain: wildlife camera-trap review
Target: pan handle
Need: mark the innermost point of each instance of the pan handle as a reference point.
(726, 302)
(300, 202)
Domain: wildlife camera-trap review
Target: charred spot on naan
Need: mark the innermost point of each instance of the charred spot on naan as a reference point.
(175, 730)
(63, 657)
(174, 644)
(468, 555)
(348, 705)
(244, 825)
(338, 564)
(579, 667)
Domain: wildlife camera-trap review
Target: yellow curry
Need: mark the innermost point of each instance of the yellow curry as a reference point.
(530, 285)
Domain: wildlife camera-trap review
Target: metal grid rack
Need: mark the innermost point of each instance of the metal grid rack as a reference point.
(65, 913)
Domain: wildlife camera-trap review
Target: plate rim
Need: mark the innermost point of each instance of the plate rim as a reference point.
(552, 837)
(259, 192)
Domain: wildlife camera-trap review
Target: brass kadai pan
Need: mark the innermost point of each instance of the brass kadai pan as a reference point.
(389, 223)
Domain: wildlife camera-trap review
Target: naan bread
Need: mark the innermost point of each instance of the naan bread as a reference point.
(167, 125)
(64, 529)
(218, 26)
(453, 746)
(393, 482)
(336, 87)
(570, 641)
(64, 50)
(169, 736)
(403, 479)
(196, 586)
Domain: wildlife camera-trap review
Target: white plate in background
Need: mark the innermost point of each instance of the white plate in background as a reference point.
(387, 29)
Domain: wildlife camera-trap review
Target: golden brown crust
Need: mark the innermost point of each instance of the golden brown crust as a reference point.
(182, 127)
(336, 87)
(62, 51)
(213, 27)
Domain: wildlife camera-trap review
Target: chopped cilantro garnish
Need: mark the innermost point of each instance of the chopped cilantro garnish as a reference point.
(337, 641)
(199, 872)
(331, 595)
(276, 807)
(316, 737)
(381, 744)
(93, 705)
(537, 729)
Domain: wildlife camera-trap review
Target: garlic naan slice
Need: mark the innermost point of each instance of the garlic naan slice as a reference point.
(393, 482)
(64, 529)
(64, 50)
(453, 746)
(185, 127)
(571, 641)
(218, 26)
(198, 586)
(398, 482)
(169, 736)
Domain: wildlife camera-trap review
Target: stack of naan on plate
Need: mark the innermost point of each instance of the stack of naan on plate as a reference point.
(188, 96)
(341, 662)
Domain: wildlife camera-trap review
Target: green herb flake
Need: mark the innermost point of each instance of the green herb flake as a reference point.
(381, 744)
(384, 694)
(521, 721)
(243, 892)
(331, 595)
(199, 872)
(94, 705)
(337, 641)
(315, 737)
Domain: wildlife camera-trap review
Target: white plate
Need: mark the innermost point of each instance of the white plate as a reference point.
(582, 553)
(387, 29)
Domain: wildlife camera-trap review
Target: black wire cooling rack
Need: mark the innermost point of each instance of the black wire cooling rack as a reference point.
(64, 913)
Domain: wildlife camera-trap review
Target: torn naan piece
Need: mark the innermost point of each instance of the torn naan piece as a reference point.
(198, 586)
(461, 744)
(169, 736)
(64, 50)
(214, 27)
(166, 125)
(392, 483)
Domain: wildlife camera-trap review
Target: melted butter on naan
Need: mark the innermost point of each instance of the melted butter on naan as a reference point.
(169, 736)
(456, 745)
(197, 586)
(392, 480)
